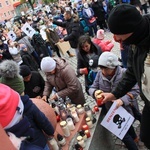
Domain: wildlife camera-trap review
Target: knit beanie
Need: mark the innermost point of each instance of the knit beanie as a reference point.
(108, 59)
(11, 107)
(124, 19)
(48, 64)
(100, 34)
(24, 71)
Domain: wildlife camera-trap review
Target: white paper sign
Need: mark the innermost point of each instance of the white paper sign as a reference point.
(28, 30)
(11, 35)
(117, 121)
(47, 8)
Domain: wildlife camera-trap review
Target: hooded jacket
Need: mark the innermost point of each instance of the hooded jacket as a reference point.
(65, 82)
(9, 71)
(102, 83)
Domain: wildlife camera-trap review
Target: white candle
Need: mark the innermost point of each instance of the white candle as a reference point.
(75, 116)
(70, 124)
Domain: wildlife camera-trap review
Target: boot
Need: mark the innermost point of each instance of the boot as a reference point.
(70, 55)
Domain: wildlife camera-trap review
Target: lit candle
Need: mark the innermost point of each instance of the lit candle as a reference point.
(85, 127)
(89, 122)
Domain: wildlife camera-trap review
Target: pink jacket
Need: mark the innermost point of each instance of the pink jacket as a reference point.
(104, 45)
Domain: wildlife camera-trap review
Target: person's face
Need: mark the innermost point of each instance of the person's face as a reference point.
(18, 32)
(66, 16)
(27, 78)
(107, 71)
(50, 73)
(123, 37)
(86, 47)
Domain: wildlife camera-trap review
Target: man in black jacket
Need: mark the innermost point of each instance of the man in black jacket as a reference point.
(130, 27)
(72, 26)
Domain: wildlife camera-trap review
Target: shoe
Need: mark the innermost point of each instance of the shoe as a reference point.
(71, 55)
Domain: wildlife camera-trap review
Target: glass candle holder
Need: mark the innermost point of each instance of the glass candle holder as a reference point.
(70, 124)
(85, 127)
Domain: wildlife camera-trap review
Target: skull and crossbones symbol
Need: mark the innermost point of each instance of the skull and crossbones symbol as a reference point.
(118, 120)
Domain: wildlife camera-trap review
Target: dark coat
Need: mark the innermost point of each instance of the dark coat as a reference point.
(38, 121)
(33, 124)
(73, 30)
(28, 60)
(83, 62)
(65, 82)
(52, 38)
(35, 86)
(99, 11)
(5, 54)
(135, 68)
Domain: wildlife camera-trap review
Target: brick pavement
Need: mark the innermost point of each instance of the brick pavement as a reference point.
(118, 144)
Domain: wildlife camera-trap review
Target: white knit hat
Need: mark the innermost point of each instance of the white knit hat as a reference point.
(48, 64)
(100, 34)
(108, 59)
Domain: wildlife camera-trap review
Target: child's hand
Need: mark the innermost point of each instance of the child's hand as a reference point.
(119, 103)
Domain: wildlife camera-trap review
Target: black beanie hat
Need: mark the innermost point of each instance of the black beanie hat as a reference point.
(24, 71)
(124, 19)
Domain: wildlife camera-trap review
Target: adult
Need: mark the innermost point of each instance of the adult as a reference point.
(133, 29)
(87, 59)
(33, 82)
(59, 74)
(25, 120)
(4, 51)
(88, 16)
(23, 39)
(99, 13)
(72, 26)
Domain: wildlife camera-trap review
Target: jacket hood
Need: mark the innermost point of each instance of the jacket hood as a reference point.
(60, 63)
(9, 69)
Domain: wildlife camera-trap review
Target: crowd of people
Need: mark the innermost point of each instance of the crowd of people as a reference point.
(83, 25)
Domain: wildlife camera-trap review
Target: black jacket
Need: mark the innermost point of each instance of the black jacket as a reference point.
(73, 31)
(28, 60)
(35, 86)
(136, 57)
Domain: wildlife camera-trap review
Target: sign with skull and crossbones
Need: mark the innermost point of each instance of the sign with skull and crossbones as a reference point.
(117, 121)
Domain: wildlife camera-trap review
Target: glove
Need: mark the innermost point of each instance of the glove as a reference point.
(84, 71)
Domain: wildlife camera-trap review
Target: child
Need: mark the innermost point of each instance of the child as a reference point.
(22, 118)
(106, 80)
(105, 45)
